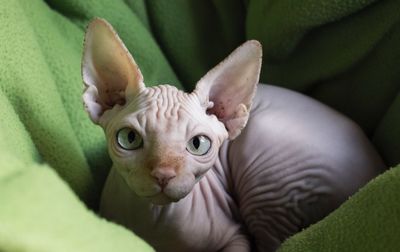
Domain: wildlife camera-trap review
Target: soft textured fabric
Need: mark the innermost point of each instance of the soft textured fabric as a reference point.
(345, 53)
(39, 212)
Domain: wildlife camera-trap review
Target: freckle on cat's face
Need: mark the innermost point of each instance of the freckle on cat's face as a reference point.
(166, 134)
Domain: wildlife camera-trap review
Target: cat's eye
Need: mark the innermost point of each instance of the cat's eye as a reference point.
(199, 145)
(129, 139)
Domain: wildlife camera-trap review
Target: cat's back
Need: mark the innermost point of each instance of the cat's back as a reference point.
(295, 161)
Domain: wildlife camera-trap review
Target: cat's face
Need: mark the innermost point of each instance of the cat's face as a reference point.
(160, 139)
(163, 142)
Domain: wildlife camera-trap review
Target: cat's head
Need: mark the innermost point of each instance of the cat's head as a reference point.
(160, 139)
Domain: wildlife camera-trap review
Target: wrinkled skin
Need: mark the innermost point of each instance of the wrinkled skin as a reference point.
(296, 161)
(275, 162)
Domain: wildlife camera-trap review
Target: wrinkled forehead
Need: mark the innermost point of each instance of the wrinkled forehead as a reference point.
(167, 100)
(164, 109)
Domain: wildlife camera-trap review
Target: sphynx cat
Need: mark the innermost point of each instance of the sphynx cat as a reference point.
(189, 175)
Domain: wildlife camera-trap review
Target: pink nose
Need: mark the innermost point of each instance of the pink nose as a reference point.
(163, 175)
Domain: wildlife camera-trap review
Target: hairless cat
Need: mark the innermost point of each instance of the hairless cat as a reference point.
(232, 166)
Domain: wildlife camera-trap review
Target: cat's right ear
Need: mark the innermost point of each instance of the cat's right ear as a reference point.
(110, 74)
(227, 90)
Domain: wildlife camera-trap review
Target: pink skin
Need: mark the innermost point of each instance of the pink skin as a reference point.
(294, 162)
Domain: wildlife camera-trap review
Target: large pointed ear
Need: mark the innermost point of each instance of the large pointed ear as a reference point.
(109, 72)
(228, 89)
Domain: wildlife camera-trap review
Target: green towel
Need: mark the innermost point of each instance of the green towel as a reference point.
(54, 160)
(345, 53)
(38, 212)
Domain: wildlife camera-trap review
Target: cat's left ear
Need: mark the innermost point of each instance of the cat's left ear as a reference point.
(231, 86)
(109, 72)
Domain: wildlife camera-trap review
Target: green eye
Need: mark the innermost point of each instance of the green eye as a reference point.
(129, 139)
(199, 145)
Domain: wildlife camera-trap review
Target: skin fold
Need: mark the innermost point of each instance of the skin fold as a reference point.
(232, 166)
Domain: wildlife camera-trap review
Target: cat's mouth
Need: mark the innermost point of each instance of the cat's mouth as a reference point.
(161, 199)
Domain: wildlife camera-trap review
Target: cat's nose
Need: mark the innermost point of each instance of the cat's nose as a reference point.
(163, 175)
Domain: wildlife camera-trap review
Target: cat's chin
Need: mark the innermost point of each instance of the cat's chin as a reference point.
(161, 199)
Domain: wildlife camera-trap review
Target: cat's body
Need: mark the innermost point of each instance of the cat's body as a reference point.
(295, 161)
(181, 185)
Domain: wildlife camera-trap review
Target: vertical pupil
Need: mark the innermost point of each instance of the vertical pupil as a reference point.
(196, 142)
(131, 136)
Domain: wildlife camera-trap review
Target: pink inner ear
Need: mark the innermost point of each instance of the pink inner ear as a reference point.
(111, 87)
(226, 98)
(231, 86)
(234, 83)
(114, 67)
(230, 108)
(108, 69)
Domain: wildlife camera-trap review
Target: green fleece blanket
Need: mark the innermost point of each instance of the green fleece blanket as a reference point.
(53, 160)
